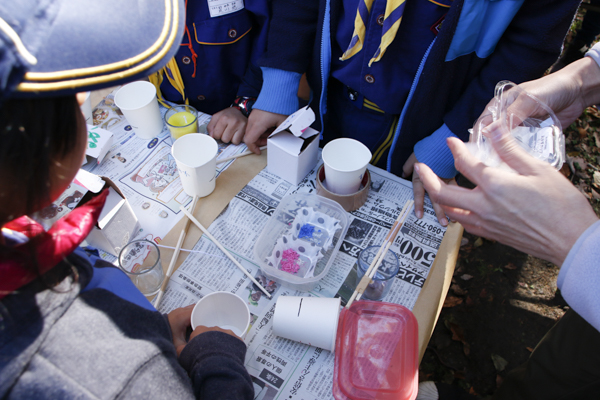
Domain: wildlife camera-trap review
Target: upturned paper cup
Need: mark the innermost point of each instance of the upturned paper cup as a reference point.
(137, 101)
(309, 320)
(345, 164)
(196, 158)
(223, 309)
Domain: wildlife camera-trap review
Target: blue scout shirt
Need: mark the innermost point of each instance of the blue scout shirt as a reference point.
(387, 81)
(226, 44)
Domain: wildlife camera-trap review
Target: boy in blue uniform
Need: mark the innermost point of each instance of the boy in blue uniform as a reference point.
(425, 70)
(215, 67)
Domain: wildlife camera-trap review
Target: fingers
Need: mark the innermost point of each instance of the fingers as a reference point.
(418, 195)
(407, 168)
(200, 329)
(444, 194)
(465, 162)
(513, 155)
(179, 320)
(228, 125)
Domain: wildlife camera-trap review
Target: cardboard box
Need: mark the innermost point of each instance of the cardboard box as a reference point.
(117, 224)
(293, 148)
(99, 143)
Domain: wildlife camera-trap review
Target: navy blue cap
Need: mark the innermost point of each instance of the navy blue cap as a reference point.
(58, 47)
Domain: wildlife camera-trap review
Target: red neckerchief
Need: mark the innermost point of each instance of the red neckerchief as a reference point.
(51, 246)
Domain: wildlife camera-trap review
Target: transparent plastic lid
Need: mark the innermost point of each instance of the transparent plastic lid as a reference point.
(531, 122)
(377, 352)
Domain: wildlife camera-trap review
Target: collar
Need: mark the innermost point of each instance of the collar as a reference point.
(51, 246)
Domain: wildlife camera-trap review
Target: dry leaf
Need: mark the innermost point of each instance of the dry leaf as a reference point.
(452, 301)
(510, 266)
(458, 290)
(478, 243)
(466, 277)
(530, 349)
(582, 133)
(499, 362)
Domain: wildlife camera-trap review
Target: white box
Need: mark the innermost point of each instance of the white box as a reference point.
(292, 148)
(117, 224)
(99, 143)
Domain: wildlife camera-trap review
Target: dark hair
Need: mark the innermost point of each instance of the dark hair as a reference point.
(33, 133)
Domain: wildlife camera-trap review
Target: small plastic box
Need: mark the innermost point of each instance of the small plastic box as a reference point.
(284, 223)
(533, 125)
(376, 353)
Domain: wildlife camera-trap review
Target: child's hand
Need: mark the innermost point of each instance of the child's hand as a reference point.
(228, 125)
(200, 329)
(179, 319)
(260, 125)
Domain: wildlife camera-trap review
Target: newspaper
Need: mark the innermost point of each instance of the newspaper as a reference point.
(281, 368)
(145, 171)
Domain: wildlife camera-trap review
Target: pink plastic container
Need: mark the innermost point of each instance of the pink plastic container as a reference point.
(377, 352)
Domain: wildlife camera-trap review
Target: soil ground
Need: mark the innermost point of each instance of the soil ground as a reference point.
(502, 301)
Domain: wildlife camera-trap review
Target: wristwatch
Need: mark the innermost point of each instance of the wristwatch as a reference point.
(244, 104)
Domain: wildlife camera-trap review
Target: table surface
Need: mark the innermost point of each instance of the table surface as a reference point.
(431, 298)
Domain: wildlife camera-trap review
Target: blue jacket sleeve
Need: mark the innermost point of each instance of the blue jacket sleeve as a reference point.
(579, 277)
(531, 43)
(215, 363)
(435, 153)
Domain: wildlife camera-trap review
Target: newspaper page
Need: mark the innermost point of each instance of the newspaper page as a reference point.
(145, 171)
(281, 368)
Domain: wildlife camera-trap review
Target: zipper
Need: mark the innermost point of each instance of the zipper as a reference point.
(324, 78)
(408, 99)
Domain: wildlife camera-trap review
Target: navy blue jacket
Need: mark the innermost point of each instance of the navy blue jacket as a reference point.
(227, 49)
(481, 42)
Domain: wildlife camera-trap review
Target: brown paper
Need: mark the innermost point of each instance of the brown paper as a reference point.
(431, 299)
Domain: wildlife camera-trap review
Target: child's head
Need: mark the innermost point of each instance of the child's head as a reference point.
(47, 55)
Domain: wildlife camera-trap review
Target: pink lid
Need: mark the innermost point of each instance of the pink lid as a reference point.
(376, 354)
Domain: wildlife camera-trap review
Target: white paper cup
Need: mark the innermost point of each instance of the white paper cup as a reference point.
(196, 158)
(345, 165)
(137, 101)
(309, 320)
(86, 106)
(223, 309)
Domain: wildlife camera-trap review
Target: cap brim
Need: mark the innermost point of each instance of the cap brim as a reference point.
(91, 44)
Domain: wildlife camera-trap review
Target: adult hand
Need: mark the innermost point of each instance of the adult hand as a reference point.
(260, 125)
(228, 125)
(519, 209)
(179, 319)
(419, 191)
(567, 92)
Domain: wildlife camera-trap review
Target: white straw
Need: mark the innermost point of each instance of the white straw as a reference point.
(245, 153)
(224, 250)
(160, 293)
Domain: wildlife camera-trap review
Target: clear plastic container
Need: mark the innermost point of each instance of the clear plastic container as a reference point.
(299, 243)
(376, 353)
(531, 122)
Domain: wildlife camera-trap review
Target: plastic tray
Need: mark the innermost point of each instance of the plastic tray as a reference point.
(282, 225)
(376, 354)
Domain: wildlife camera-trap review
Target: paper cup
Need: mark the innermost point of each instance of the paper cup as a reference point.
(309, 320)
(137, 101)
(86, 106)
(223, 309)
(345, 164)
(196, 158)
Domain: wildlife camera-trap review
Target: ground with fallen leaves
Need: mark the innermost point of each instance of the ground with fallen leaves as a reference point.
(501, 301)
